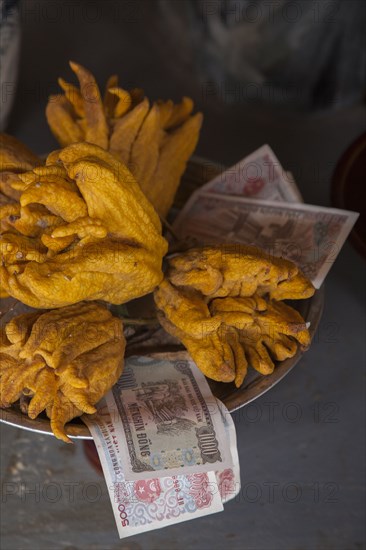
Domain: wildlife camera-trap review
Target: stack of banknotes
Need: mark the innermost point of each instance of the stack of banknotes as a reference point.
(257, 202)
(167, 446)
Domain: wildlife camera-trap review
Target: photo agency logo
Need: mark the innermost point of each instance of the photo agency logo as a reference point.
(79, 11)
(245, 93)
(291, 412)
(51, 492)
(292, 492)
(270, 12)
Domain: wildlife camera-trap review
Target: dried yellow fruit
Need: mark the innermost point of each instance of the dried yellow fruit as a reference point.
(154, 141)
(83, 231)
(222, 306)
(64, 361)
(238, 270)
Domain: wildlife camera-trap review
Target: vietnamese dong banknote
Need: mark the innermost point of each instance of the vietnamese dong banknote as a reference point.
(169, 419)
(228, 480)
(146, 504)
(310, 236)
(259, 175)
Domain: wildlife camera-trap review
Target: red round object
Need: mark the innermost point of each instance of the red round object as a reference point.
(349, 189)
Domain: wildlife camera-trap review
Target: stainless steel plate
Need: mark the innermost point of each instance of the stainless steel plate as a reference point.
(198, 172)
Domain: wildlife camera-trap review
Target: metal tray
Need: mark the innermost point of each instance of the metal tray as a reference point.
(198, 172)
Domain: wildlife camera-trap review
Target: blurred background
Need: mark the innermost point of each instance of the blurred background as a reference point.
(287, 73)
(263, 70)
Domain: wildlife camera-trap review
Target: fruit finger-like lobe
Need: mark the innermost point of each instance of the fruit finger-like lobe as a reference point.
(32, 220)
(212, 355)
(126, 129)
(124, 101)
(61, 120)
(64, 333)
(96, 124)
(82, 227)
(284, 319)
(145, 150)
(110, 100)
(296, 288)
(137, 95)
(176, 149)
(58, 195)
(103, 173)
(165, 110)
(213, 346)
(188, 312)
(237, 312)
(65, 360)
(236, 270)
(8, 183)
(16, 249)
(15, 156)
(61, 411)
(74, 96)
(18, 329)
(101, 188)
(44, 389)
(240, 359)
(274, 334)
(180, 113)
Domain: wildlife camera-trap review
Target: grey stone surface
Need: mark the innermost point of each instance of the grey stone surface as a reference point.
(302, 445)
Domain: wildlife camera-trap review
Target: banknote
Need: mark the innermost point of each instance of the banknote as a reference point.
(228, 480)
(169, 418)
(310, 236)
(259, 175)
(147, 504)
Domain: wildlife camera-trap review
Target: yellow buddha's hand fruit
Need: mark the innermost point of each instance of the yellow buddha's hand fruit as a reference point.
(224, 305)
(82, 230)
(61, 361)
(154, 140)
